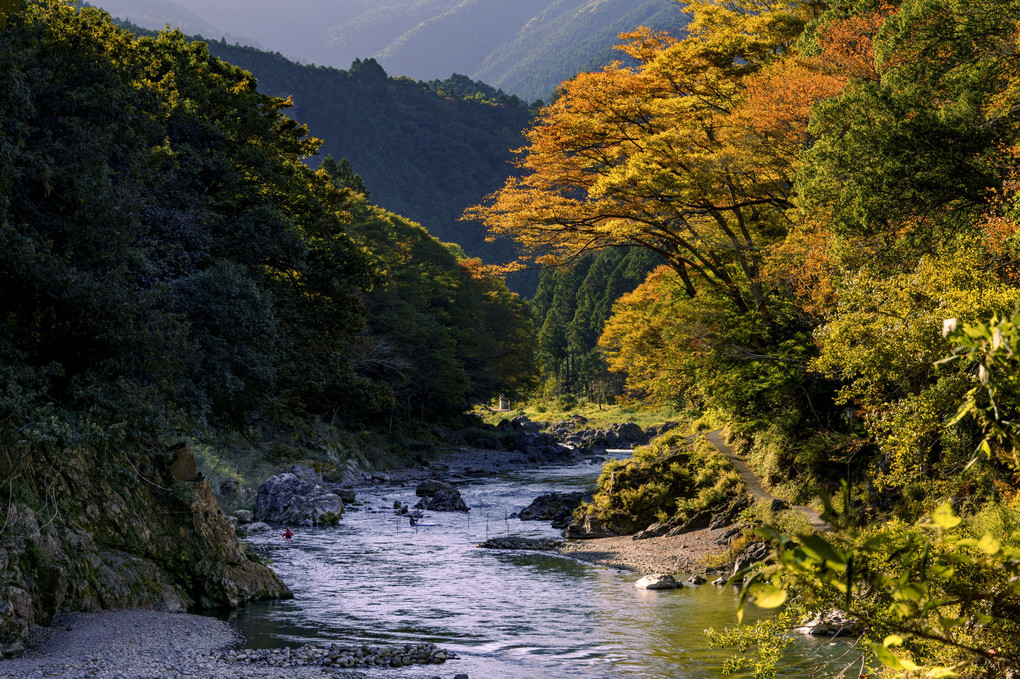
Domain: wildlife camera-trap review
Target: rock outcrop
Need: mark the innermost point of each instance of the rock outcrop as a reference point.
(590, 527)
(124, 530)
(298, 497)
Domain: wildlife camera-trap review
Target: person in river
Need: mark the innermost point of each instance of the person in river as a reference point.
(288, 534)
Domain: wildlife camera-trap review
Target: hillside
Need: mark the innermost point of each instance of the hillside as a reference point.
(526, 48)
(425, 150)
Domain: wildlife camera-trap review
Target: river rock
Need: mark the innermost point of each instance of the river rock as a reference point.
(430, 487)
(514, 542)
(831, 624)
(444, 500)
(297, 501)
(590, 527)
(779, 505)
(256, 527)
(658, 581)
(751, 554)
(556, 507)
(348, 496)
(696, 580)
(631, 433)
(655, 530)
(243, 516)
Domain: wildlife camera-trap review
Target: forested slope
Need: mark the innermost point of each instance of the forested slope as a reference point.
(172, 273)
(425, 150)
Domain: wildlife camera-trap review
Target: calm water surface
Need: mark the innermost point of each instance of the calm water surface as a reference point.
(511, 615)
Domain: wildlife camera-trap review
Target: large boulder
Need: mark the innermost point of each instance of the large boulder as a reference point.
(590, 527)
(555, 507)
(439, 496)
(155, 539)
(444, 501)
(831, 624)
(631, 433)
(657, 529)
(297, 501)
(430, 487)
(750, 555)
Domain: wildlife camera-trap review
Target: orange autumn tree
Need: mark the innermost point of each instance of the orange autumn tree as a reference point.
(656, 155)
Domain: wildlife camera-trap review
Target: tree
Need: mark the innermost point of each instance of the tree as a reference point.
(344, 176)
(654, 156)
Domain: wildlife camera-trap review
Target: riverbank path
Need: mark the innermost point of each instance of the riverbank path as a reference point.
(753, 483)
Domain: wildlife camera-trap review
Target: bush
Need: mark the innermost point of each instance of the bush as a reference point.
(670, 479)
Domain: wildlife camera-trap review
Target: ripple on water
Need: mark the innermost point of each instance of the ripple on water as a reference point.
(515, 615)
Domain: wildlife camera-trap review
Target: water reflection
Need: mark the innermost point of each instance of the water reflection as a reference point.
(376, 579)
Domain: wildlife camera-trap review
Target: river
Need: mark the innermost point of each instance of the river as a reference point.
(508, 615)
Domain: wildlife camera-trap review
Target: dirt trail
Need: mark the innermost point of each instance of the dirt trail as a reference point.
(753, 483)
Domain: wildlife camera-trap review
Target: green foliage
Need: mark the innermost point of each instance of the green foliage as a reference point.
(907, 156)
(786, 521)
(670, 478)
(442, 332)
(425, 150)
(571, 308)
(883, 340)
(990, 351)
(169, 263)
(934, 598)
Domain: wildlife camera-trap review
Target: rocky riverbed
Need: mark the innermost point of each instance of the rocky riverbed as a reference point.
(154, 645)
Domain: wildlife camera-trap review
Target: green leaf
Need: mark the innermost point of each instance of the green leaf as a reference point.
(768, 596)
(989, 545)
(891, 660)
(945, 518)
(820, 548)
(893, 640)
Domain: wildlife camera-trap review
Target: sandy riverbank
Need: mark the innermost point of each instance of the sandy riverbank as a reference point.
(679, 554)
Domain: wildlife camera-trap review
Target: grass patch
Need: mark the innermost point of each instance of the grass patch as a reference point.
(598, 417)
(785, 521)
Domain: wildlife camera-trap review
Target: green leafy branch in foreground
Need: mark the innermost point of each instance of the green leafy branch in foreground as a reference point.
(938, 598)
(990, 352)
(934, 600)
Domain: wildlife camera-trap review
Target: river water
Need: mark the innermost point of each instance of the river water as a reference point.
(508, 615)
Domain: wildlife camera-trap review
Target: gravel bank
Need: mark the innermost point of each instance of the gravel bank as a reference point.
(667, 554)
(154, 645)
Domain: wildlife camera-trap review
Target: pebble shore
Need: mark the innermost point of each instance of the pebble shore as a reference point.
(155, 645)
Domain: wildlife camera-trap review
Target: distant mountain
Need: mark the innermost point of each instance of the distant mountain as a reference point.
(525, 47)
(569, 37)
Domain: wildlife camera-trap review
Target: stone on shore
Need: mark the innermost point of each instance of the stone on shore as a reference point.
(750, 555)
(531, 544)
(658, 581)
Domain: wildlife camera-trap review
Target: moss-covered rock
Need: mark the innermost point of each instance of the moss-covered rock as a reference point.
(87, 531)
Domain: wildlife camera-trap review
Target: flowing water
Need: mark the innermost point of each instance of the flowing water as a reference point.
(508, 615)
